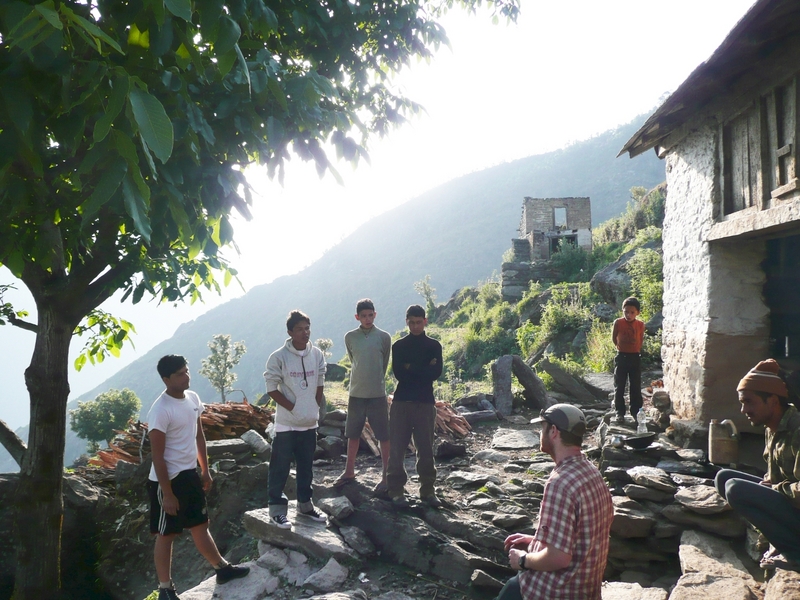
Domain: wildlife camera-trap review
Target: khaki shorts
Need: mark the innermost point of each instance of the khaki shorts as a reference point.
(359, 410)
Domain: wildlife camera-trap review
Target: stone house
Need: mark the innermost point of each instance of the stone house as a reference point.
(546, 224)
(731, 237)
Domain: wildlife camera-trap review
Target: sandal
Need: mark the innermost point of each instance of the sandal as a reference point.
(342, 480)
(381, 488)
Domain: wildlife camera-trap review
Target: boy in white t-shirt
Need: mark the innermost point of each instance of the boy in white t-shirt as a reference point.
(177, 491)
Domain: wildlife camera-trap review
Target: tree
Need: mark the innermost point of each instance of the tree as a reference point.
(96, 420)
(424, 288)
(217, 368)
(125, 128)
(325, 345)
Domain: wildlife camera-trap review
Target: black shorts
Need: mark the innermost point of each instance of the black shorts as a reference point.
(192, 509)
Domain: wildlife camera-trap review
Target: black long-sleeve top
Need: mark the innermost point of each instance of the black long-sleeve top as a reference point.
(416, 363)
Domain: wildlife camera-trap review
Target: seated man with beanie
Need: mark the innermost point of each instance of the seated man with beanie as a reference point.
(566, 557)
(771, 503)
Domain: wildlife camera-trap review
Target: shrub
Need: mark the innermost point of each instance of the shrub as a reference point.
(568, 308)
(600, 350)
(646, 269)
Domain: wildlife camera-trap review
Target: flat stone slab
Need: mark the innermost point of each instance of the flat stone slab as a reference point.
(511, 439)
(689, 467)
(701, 586)
(491, 456)
(631, 519)
(703, 553)
(232, 446)
(471, 479)
(618, 590)
(725, 524)
(258, 584)
(640, 492)
(782, 585)
(702, 499)
(653, 478)
(305, 535)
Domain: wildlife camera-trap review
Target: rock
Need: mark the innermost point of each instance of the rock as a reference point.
(700, 586)
(471, 479)
(257, 443)
(640, 492)
(258, 584)
(727, 524)
(617, 474)
(501, 385)
(335, 418)
(654, 325)
(335, 372)
(511, 522)
(619, 590)
(612, 283)
(297, 570)
(511, 439)
(479, 416)
(446, 449)
(217, 448)
(694, 454)
(605, 312)
(689, 433)
(339, 507)
(661, 399)
(328, 578)
(330, 430)
(687, 480)
(305, 535)
(783, 585)
(357, 540)
(566, 383)
(599, 384)
(393, 596)
(631, 519)
(472, 401)
(491, 456)
(359, 595)
(687, 467)
(80, 493)
(533, 389)
(702, 499)
(482, 580)
(483, 504)
(123, 471)
(702, 553)
(653, 478)
(332, 446)
(634, 550)
(271, 557)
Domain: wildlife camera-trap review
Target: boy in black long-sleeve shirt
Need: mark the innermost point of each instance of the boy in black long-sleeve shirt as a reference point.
(417, 363)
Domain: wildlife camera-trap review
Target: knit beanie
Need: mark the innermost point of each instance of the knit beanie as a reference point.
(764, 378)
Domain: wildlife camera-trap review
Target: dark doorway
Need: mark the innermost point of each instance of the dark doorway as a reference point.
(782, 295)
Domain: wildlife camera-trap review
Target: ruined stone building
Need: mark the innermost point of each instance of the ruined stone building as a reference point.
(546, 224)
(731, 237)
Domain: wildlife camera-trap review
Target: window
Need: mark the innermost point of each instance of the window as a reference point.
(759, 152)
(560, 216)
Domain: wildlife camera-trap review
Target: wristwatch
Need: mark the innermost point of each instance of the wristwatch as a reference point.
(522, 558)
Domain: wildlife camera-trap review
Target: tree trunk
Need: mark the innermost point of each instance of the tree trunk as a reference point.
(38, 503)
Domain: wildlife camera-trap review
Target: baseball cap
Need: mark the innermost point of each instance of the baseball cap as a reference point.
(565, 417)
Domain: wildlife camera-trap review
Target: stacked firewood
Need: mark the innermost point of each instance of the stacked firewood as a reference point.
(449, 422)
(220, 421)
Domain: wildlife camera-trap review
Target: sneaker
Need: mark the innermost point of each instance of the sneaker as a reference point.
(314, 515)
(281, 521)
(432, 501)
(229, 572)
(168, 594)
(400, 502)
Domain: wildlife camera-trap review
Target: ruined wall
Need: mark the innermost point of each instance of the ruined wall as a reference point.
(537, 213)
(716, 324)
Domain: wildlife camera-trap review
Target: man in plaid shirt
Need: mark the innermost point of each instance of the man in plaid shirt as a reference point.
(566, 557)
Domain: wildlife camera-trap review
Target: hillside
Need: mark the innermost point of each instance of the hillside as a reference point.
(456, 233)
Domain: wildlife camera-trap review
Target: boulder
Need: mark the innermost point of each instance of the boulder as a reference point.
(515, 439)
(471, 479)
(339, 507)
(258, 584)
(702, 499)
(358, 540)
(566, 383)
(305, 535)
(701, 586)
(328, 578)
(335, 372)
(217, 449)
(619, 590)
(782, 585)
(631, 519)
(727, 524)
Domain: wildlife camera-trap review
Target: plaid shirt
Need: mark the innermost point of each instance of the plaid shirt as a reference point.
(575, 517)
(782, 453)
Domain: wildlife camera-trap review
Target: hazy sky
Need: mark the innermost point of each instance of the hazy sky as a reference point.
(566, 71)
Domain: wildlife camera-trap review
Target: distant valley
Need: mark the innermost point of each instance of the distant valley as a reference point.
(456, 233)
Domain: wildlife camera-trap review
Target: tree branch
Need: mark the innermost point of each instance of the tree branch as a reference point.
(17, 322)
(12, 442)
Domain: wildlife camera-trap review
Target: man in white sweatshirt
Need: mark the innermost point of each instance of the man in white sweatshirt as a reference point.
(295, 379)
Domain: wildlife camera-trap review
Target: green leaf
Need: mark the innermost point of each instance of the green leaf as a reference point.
(90, 28)
(228, 34)
(245, 70)
(180, 8)
(105, 188)
(224, 64)
(127, 150)
(136, 208)
(153, 122)
(277, 92)
(116, 101)
(47, 10)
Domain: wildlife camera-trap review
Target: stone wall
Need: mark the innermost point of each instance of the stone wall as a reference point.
(537, 213)
(716, 325)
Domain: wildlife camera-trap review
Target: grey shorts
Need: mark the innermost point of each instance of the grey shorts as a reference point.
(359, 410)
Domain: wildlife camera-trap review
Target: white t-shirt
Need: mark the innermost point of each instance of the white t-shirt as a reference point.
(177, 419)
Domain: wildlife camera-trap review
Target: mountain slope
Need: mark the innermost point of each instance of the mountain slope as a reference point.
(456, 233)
